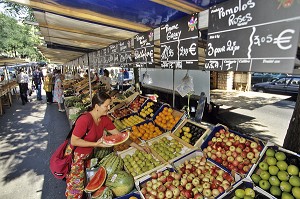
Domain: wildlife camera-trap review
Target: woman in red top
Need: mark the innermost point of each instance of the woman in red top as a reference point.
(92, 124)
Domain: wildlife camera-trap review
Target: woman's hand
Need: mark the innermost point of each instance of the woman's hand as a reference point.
(99, 143)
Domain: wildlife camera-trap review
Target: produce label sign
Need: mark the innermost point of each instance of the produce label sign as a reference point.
(100, 57)
(253, 35)
(125, 53)
(144, 50)
(179, 43)
(113, 54)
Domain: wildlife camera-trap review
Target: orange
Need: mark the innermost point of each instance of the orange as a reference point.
(164, 121)
(166, 109)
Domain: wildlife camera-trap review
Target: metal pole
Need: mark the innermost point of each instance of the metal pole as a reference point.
(90, 83)
(173, 87)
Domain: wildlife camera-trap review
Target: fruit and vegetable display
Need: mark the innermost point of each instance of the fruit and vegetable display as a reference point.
(166, 119)
(136, 104)
(70, 101)
(190, 133)
(118, 113)
(139, 162)
(168, 148)
(146, 131)
(278, 174)
(247, 193)
(149, 109)
(232, 151)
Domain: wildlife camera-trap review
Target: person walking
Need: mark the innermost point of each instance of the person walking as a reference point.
(58, 91)
(91, 126)
(48, 87)
(37, 79)
(23, 80)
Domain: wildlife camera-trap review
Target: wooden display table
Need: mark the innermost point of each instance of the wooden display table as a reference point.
(5, 92)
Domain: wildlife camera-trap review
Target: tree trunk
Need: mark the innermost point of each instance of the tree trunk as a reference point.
(292, 138)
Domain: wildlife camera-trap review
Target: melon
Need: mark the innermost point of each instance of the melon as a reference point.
(102, 152)
(115, 139)
(120, 182)
(103, 193)
(97, 180)
(112, 163)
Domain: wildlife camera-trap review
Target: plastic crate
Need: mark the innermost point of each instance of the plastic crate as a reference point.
(132, 114)
(154, 113)
(133, 194)
(291, 158)
(217, 129)
(146, 122)
(138, 96)
(205, 133)
(115, 117)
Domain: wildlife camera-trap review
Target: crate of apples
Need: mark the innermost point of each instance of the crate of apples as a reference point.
(232, 150)
(118, 113)
(192, 132)
(167, 118)
(137, 103)
(278, 173)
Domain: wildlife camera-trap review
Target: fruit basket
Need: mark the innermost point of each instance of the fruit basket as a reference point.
(122, 112)
(137, 103)
(192, 132)
(201, 172)
(146, 130)
(169, 147)
(232, 150)
(168, 118)
(139, 164)
(149, 109)
(277, 172)
(245, 188)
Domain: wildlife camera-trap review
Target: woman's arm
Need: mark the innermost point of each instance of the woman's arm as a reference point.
(77, 141)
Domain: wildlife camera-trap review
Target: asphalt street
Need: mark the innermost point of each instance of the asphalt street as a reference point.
(30, 133)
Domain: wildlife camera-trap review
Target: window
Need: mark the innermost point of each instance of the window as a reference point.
(295, 81)
(283, 80)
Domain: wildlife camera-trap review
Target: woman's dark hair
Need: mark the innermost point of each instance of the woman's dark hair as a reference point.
(106, 73)
(99, 98)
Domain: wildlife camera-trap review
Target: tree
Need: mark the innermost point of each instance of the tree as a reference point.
(292, 138)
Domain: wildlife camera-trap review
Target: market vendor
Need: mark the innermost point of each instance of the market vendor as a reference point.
(94, 122)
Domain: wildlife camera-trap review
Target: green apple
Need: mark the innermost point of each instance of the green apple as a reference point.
(282, 165)
(273, 170)
(293, 170)
(280, 156)
(264, 175)
(248, 197)
(239, 193)
(250, 192)
(256, 178)
(271, 160)
(285, 186)
(264, 184)
(294, 181)
(283, 175)
(263, 166)
(286, 195)
(296, 192)
(235, 197)
(270, 152)
(274, 181)
(275, 191)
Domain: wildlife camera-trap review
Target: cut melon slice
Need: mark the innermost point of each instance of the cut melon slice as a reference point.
(97, 180)
(115, 139)
(98, 192)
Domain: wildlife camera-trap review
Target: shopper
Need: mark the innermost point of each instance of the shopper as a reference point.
(48, 87)
(94, 122)
(58, 91)
(23, 80)
(37, 79)
(105, 79)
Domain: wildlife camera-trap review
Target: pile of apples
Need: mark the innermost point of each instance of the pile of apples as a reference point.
(136, 104)
(233, 151)
(118, 113)
(196, 178)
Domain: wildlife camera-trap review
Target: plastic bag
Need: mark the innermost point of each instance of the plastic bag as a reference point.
(186, 86)
(147, 79)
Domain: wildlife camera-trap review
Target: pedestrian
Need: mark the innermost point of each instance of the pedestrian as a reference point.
(37, 79)
(48, 87)
(105, 79)
(96, 77)
(94, 122)
(58, 91)
(23, 80)
(126, 74)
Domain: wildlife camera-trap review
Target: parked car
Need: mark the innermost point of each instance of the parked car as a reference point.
(265, 77)
(288, 85)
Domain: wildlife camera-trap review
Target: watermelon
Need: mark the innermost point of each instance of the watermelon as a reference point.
(102, 152)
(97, 180)
(120, 182)
(115, 139)
(103, 193)
(112, 163)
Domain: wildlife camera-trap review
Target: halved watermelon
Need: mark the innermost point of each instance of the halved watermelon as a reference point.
(97, 180)
(115, 139)
(98, 192)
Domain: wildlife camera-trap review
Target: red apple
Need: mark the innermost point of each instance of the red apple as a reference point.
(176, 192)
(162, 188)
(198, 196)
(215, 192)
(221, 189)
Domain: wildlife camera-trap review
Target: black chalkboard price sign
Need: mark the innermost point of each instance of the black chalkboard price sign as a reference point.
(179, 43)
(125, 54)
(253, 35)
(144, 50)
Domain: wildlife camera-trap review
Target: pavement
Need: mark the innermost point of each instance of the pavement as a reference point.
(261, 115)
(29, 134)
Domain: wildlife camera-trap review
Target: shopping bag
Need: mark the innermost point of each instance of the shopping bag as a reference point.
(60, 163)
